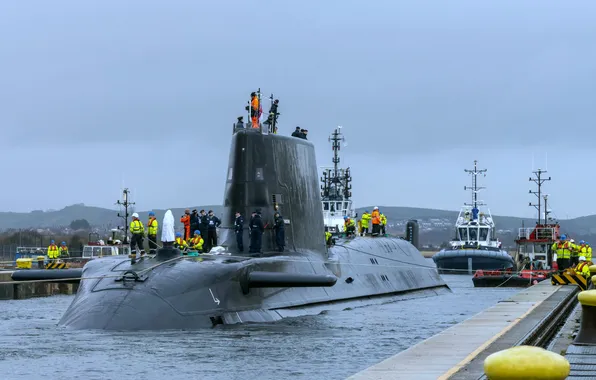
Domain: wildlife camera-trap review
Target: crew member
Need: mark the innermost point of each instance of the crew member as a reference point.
(185, 220)
(180, 243)
(240, 123)
(364, 220)
(563, 251)
(254, 110)
(328, 238)
(303, 133)
(278, 227)
(138, 233)
(197, 241)
(63, 250)
(53, 252)
(585, 250)
(383, 224)
(272, 118)
(574, 253)
(203, 221)
(296, 133)
(212, 223)
(349, 226)
(239, 231)
(152, 232)
(376, 221)
(256, 233)
(360, 227)
(195, 220)
(583, 267)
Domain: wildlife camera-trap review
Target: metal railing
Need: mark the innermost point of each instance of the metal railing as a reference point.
(539, 233)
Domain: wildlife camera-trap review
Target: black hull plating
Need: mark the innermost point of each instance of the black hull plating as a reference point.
(188, 294)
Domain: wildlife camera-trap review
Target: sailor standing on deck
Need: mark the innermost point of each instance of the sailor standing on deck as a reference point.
(185, 220)
(212, 223)
(585, 250)
(239, 231)
(280, 236)
(138, 233)
(256, 232)
(63, 250)
(152, 232)
(376, 222)
(364, 220)
(383, 224)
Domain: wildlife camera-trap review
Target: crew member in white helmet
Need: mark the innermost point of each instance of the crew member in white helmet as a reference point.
(137, 229)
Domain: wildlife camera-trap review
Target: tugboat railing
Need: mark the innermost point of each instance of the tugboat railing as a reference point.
(537, 233)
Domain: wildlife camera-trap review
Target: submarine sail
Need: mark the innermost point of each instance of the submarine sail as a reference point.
(271, 173)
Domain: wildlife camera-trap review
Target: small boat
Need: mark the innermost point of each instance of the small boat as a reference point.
(508, 278)
(475, 245)
(533, 258)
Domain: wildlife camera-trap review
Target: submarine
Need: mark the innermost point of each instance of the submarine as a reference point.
(267, 172)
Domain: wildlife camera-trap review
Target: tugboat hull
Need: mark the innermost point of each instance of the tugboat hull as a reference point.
(467, 261)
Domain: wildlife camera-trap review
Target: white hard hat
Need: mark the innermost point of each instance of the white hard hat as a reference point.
(573, 241)
(135, 215)
(376, 208)
(582, 258)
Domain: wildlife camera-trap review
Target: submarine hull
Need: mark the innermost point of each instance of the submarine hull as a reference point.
(197, 292)
(268, 174)
(467, 261)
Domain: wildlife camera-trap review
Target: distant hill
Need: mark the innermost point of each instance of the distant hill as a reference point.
(436, 226)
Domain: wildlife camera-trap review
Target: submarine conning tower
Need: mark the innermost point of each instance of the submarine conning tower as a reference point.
(270, 173)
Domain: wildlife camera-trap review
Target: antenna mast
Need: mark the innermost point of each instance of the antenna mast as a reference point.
(539, 180)
(126, 204)
(336, 181)
(475, 188)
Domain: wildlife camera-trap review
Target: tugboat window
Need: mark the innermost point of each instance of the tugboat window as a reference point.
(326, 206)
(463, 234)
(473, 234)
(483, 234)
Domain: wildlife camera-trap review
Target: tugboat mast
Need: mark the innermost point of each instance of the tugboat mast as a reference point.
(475, 188)
(336, 181)
(539, 180)
(126, 204)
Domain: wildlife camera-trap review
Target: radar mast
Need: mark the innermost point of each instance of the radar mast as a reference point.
(336, 182)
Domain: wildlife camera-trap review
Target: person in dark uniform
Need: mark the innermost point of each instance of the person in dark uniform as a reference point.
(303, 133)
(280, 236)
(272, 118)
(256, 232)
(212, 223)
(239, 230)
(194, 220)
(296, 133)
(203, 226)
(240, 123)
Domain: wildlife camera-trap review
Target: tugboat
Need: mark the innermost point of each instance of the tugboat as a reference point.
(533, 254)
(335, 190)
(475, 245)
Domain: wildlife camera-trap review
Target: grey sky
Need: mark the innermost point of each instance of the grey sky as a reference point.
(97, 92)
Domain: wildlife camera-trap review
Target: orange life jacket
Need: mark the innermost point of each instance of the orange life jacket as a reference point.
(376, 217)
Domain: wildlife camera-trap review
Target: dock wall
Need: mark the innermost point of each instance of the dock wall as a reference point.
(19, 291)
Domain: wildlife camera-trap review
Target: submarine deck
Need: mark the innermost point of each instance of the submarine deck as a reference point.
(459, 352)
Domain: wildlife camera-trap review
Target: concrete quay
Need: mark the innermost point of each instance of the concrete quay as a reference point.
(460, 351)
(10, 290)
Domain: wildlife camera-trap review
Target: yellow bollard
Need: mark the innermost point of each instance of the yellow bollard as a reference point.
(592, 268)
(526, 362)
(587, 327)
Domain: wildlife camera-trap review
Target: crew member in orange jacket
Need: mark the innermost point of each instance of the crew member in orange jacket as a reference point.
(185, 219)
(254, 110)
(376, 222)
